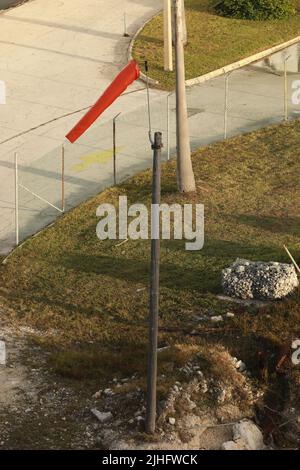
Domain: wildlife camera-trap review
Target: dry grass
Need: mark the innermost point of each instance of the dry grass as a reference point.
(213, 41)
(90, 298)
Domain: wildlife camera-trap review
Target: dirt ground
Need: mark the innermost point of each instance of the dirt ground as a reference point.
(39, 410)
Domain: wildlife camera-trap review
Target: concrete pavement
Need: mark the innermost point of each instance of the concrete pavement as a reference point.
(56, 57)
(64, 65)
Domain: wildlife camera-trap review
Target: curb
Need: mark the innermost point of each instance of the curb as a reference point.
(26, 240)
(218, 72)
(241, 63)
(18, 3)
(143, 77)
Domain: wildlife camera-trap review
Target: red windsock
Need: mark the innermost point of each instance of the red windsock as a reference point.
(128, 75)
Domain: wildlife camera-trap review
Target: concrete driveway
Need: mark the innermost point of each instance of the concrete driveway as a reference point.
(56, 57)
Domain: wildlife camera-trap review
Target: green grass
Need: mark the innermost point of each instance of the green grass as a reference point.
(213, 41)
(89, 298)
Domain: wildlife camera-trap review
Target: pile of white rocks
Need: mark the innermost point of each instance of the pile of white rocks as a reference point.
(259, 280)
(246, 436)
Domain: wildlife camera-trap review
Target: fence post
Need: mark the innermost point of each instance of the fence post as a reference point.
(126, 35)
(63, 178)
(286, 116)
(168, 55)
(168, 126)
(16, 200)
(154, 286)
(226, 105)
(115, 149)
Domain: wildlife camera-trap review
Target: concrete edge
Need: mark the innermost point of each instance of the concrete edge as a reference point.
(28, 239)
(18, 4)
(241, 63)
(218, 72)
(143, 77)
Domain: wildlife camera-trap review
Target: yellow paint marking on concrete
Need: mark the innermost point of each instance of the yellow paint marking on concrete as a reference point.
(93, 158)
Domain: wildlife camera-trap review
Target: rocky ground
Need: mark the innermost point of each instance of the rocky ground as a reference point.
(203, 411)
(37, 412)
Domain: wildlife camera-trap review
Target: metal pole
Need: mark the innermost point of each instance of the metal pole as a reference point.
(226, 105)
(115, 149)
(16, 200)
(154, 287)
(168, 53)
(63, 178)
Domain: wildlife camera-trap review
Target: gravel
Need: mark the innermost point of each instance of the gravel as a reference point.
(259, 280)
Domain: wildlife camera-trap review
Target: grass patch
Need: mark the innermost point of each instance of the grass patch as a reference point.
(90, 362)
(213, 41)
(90, 298)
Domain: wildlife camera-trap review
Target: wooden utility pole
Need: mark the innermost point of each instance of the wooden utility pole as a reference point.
(154, 287)
(184, 27)
(168, 53)
(185, 174)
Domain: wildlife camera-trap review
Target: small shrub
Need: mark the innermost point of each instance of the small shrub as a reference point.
(256, 9)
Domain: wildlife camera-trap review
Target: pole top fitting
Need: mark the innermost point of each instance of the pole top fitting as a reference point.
(157, 144)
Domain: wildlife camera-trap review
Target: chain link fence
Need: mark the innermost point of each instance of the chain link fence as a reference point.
(252, 97)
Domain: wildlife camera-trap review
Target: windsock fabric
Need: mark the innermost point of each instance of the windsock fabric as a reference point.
(127, 76)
